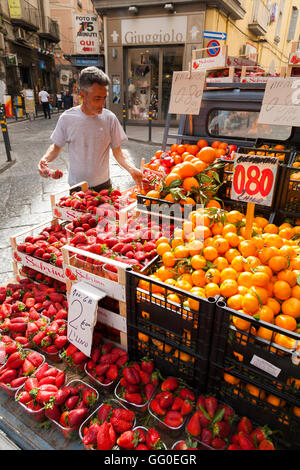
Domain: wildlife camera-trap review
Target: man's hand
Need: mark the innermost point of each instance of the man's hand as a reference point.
(137, 176)
(43, 167)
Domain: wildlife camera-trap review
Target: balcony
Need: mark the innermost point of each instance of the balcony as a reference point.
(260, 18)
(27, 16)
(49, 30)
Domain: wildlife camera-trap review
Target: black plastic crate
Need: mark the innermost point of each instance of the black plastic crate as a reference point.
(283, 155)
(245, 355)
(169, 360)
(162, 209)
(289, 197)
(151, 313)
(279, 217)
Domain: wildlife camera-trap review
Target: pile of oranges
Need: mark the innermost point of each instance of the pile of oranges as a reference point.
(270, 151)
(210, 256)
(191, 176)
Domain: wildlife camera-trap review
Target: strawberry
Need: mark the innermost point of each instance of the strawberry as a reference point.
(149, 389)
(145, 377)
(245, 425)
(228, 413)
(177, 404)
(187, 407)
(186, 393)
(106, 436)
(206, 436)
(128, 440)
(166, 400)
(259, 434)
(104, 412)
(112, 373)
(221, 429)
(201, 403)
(211, 404)
(89, 397)
(170, 384)
(134, 398)
(147, 365)
(194, 426)
(153, 440)
(120, 425)
(266, 444)
(245, 441)
(173, 419)
(76, 416)
(234, 447)
(90, 437)
(156, 408)
(131, 375)
(141, 447)
(218, 443)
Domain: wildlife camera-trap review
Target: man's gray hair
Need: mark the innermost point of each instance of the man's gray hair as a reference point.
(91, 75)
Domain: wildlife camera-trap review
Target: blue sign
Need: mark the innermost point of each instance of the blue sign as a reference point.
(214, 35)
(85, 62)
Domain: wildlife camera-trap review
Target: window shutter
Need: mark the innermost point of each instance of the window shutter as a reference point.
(293, 24)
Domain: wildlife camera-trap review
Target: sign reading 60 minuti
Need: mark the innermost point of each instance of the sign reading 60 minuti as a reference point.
(254, 178)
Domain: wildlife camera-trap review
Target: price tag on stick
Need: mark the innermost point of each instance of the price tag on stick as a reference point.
(82, 315)
(253, 181)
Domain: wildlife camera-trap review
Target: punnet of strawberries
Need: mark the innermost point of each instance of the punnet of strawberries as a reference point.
(211, 423)
(141, 438)
(173, 402)
(97, 203)
(104, 426)
(106, 363)
(138, 382)
(251, 437)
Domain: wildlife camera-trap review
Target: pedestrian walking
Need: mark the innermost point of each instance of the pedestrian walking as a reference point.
(91, 131)
(44, 101)
(67, 100)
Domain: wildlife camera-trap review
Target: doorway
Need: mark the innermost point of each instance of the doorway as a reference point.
(148, 74)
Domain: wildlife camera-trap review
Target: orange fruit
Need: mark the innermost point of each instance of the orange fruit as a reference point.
(187, 227)
(181, 251)
(174, 298)
(210, 253)
(211, 289)
(255, 391)
(214, 203)
(223, 145)
(215, 144)
(198, 262)
(169, 198)
(266, 314)
(296, 291)
(187, 169)
(221, 263)
(207, 154)
(229, 228)
(230, 379)
(200, 165)
(162, 248)
(238, 264)
(274, 305)
(282, 290)
(231, 254)
(202, 143)
(180, 149)
(260, 279)
(221, 245)
(289, 276)
(195, 247)
(217, 228)
(260, 221)
(278, 263)
(235, 302)
(176, 242)
(266, 254)
(247, 248)
(162, 240)
(245, 279)
(183, 284)
(193, 149)
(202, 232)
(261, 294)
(234, 216)
(228, 288)
(172, 177)
(284, 341)
(264, 333)
(220, 152)
(165, 273)
(271, 228)
(286, 321)
(273, 239)
(250, 303)
(153, 194)
(169, 259)
(291, 306)
(250, 263)
(190, 184)
(213, 275)
(232, 238)
(198, 278)
(241, 323)
(228, 273)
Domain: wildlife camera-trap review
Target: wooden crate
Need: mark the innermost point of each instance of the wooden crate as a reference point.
(66, 213)
(27, 260)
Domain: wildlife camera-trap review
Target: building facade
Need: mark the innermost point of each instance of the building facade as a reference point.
(146, 41)
(81, 40)
(27, 38)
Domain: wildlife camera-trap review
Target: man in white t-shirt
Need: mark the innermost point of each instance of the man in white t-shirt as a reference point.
(44, 101)
(90, 131)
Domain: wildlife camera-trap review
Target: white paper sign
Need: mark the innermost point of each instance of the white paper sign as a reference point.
(265, 366)
(281, 102)
(82, 315)
(209, 62)
(186, 92)
(87, 37)
(254, 178)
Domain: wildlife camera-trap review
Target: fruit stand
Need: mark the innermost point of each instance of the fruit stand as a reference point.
(196, 340)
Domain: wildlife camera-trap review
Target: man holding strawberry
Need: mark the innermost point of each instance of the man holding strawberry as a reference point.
(90, 130)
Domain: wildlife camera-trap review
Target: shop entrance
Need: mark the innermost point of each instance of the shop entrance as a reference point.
(149, 80)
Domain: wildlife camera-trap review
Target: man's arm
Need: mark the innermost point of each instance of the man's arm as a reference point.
(122, 158)
(51, 154)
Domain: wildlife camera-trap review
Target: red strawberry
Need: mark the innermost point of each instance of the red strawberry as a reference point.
(112, 373)
(145, 377)
(201, 403)
(206, 436)
(187, 407)
(147, 365)
(170, 384)
(221, 429)
(149, 389)
(106, 436)
(120, 425)
(177, 404)
(89, 397)
(186, 393)
(245, 425)
(104, 412)
(234, 447)
(259, 434)
(194, 426)
(245, 441)
(90, 437)
(153, 440)
(173, 419)
(76, 416)
(228, 413)
(156, 408)
(128, 440)
(131, 375)
(166, 400)
(211, 404)
(218, 443)
(134, 398)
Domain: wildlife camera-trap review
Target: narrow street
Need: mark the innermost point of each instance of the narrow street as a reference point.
(25, 198)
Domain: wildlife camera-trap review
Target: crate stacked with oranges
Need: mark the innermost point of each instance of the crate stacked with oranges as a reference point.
(191, 172)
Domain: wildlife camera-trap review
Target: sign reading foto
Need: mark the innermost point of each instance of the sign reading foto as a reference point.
(254, 178)
(87, 39)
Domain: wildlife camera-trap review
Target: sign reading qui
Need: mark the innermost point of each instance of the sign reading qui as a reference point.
(254, 179)
(186, 93)
(281, 102)
(82, 315)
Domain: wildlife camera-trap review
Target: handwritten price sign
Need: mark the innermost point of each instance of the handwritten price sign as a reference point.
(254, 179)
(281, 103)
(82, 315)
(186, 93)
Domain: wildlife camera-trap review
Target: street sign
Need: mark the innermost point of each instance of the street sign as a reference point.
(214, 35)
(213, 48)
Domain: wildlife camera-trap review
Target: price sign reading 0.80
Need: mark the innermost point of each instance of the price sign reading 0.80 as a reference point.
(254, 178)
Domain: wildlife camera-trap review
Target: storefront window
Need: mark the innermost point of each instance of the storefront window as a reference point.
(243, 124)
(143, 73)
(172, 62)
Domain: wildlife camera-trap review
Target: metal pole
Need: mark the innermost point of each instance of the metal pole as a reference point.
(5, 132)
(124, 117)
(150, 123)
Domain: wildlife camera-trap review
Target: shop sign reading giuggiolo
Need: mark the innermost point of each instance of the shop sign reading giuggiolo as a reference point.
(154, 30)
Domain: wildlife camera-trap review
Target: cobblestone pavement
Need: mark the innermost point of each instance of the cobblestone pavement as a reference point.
(25, 200)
